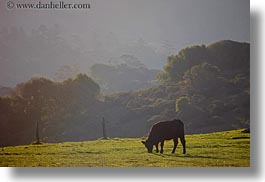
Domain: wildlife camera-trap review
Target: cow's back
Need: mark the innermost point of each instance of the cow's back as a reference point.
(166, 130)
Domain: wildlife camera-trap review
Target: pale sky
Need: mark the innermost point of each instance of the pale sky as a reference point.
(184, 21)
(177, 23)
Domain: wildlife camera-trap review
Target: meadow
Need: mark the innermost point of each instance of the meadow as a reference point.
(219, 149)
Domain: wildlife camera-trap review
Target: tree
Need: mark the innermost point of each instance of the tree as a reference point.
(178, 64)
(40, 96)
(173, 71)
(182, 102)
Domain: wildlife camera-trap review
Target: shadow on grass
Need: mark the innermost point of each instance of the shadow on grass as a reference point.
(90, 152)
(185, 156)
(241, 137)
(199, 156)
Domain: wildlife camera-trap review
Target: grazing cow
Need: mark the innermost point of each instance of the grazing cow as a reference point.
(166, 130)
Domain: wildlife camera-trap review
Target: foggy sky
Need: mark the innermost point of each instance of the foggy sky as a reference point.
(184, 21)
(179, 23)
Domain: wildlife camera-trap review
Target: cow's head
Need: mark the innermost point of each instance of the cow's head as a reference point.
(148, 145)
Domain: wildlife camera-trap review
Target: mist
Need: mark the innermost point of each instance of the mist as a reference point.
(39, 42)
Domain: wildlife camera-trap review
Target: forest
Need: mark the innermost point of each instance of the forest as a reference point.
(208, 87)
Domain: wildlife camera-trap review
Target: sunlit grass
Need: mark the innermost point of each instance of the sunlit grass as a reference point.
(230, 148)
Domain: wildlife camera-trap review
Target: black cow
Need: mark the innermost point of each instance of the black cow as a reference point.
(166, 130)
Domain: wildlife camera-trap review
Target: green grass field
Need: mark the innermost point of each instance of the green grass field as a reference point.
(220, 149)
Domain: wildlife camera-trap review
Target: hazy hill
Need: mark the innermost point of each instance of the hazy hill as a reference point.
(128, 76)
(45, 50)
(205, 86)
(5, 91)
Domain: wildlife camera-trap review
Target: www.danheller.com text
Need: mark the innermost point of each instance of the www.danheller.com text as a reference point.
(47, 5)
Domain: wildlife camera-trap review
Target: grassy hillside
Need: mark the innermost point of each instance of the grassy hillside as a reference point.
(229, 148)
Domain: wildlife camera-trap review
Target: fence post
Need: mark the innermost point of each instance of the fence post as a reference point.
(104, 128)
(37, 133)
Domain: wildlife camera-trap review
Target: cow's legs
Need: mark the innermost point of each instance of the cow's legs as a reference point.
(183, 142)
(175, 145)
(156, 145)
(162, 146)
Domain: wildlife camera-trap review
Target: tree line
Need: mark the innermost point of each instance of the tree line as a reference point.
(205, 86)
